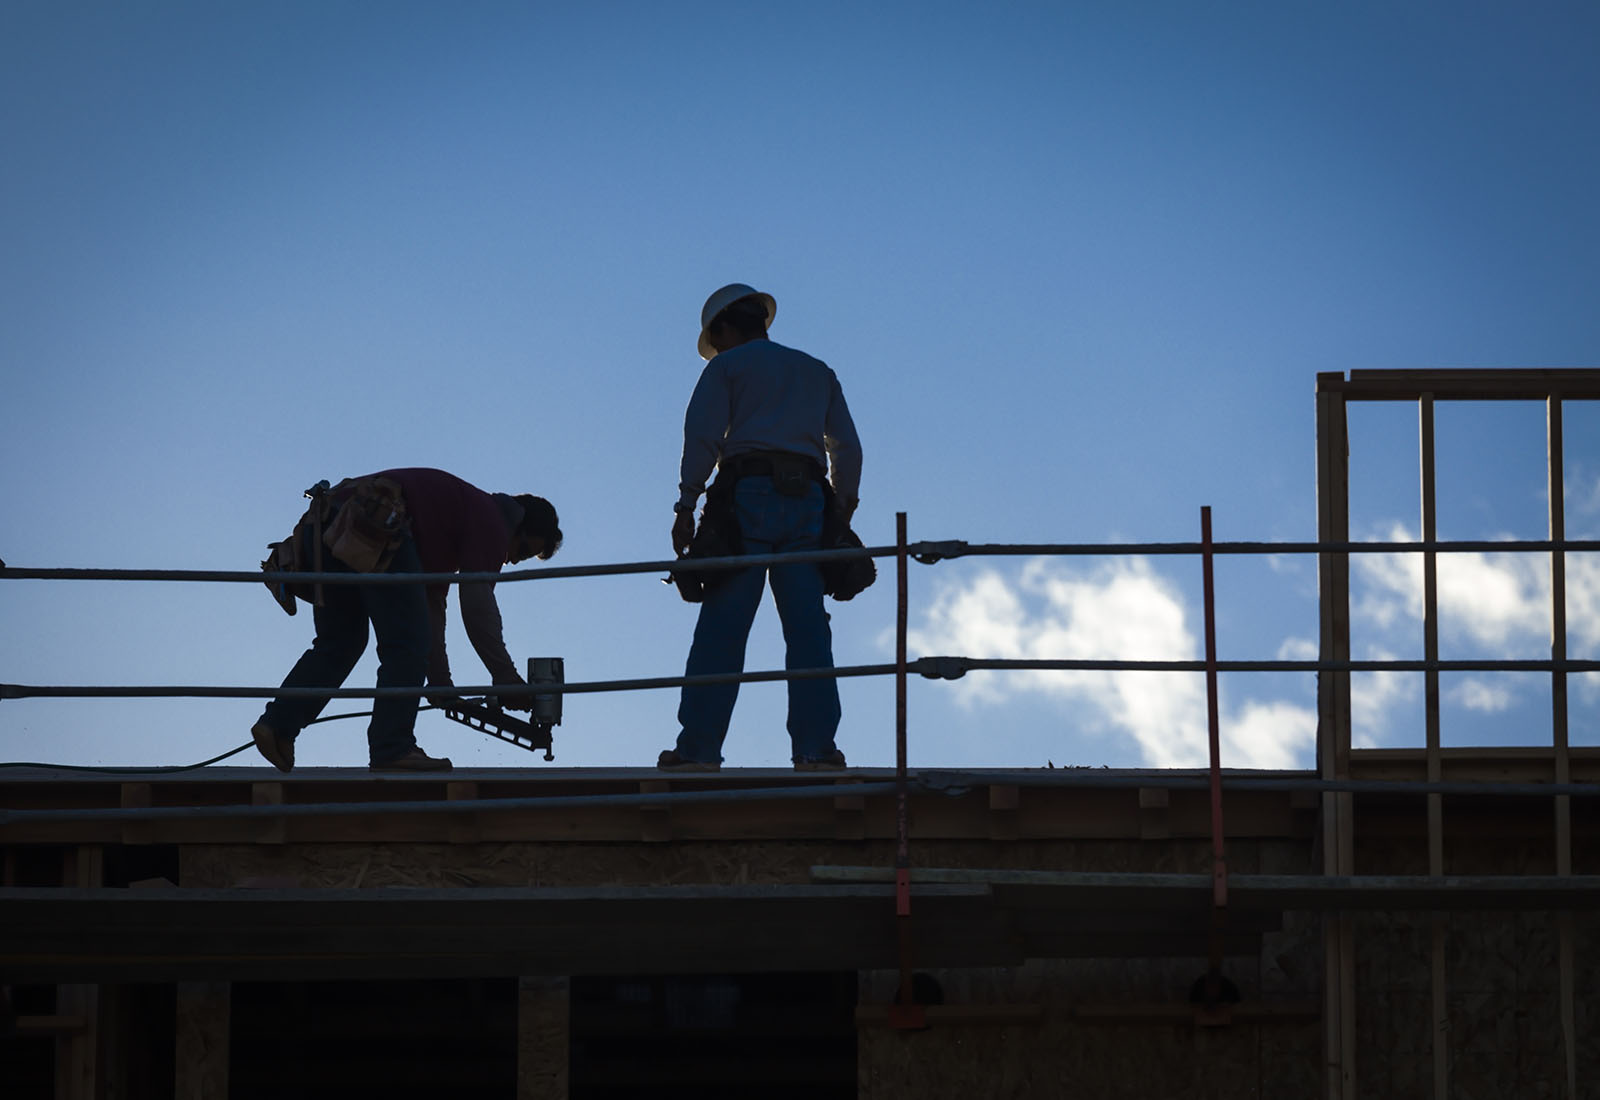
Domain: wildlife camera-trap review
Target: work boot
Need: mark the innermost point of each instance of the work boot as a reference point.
(278, 749)
(414, 761)
(833, 762)
(670, 761)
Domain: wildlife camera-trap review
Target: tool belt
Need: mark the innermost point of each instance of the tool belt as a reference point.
(718, 535)
(360, 521)
(791, 474)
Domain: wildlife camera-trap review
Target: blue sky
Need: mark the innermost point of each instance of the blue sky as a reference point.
(1077, 266)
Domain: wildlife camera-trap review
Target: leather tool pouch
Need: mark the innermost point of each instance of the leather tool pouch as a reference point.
(284, 557)
(716, 536)
(369, 525)
(289, 556)
(843, 580)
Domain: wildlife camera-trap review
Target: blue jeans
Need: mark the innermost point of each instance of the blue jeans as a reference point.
(399, 616)
(769, 523)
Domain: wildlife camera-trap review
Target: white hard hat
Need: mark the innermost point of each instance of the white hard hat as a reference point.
(721, 300)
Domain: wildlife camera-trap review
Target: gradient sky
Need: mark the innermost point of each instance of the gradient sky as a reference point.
(1076, 265)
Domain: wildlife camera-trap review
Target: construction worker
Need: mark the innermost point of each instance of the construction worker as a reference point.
(448, 526)
(772, 421)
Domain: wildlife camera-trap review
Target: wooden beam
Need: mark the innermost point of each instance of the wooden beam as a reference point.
(544, 1033)
(78, 1063)
(1524, 384)
(973, 1014)
(1130, 891)
(1333, 732)
(202, 1024)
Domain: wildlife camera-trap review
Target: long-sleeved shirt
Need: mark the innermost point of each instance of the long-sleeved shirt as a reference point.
(762, 396)
(459, 528)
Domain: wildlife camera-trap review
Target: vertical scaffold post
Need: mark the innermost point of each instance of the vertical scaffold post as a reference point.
(1333, 731)
(905, 1012)
(1555, 446)
(1438, 968)
(1215, 1012)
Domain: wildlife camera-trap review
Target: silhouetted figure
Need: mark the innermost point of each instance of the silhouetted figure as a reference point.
(401, 521)
(771, 420)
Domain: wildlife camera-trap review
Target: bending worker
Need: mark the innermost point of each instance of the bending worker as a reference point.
(441, 524)
(771, 420)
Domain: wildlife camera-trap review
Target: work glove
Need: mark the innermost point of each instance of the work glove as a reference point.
(517, 701)
(442, 700)
(682, 532)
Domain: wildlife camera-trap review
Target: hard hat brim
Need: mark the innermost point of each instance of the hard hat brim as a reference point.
(734, 292)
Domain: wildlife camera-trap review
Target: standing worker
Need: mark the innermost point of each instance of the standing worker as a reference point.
(772, 421)
(401, 521)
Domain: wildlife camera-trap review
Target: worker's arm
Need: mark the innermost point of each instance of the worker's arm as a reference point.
(481, 614)
(705, 425)
(438, 660)
(844, 451)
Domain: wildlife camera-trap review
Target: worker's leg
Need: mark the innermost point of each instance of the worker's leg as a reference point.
(399, 614)
(720, 634)
(808, 640)
(341, 624)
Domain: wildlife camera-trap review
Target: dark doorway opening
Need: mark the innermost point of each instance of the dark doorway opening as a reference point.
(395, 1039)
(776, 1036)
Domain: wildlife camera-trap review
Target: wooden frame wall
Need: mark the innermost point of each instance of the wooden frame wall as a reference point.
(1553, 387)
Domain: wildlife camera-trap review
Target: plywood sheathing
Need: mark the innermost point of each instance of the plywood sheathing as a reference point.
(202, 1026)
(1067, 1053)
(349, 865)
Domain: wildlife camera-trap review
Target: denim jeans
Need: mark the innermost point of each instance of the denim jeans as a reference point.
(769, 523)
(399, 617)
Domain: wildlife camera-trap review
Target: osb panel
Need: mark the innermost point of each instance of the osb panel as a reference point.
(1392, 952)
(1586, 978)
(1067, 983)
(1061, 1056)
(1393, 1051)
(1502, 1035)
(1065, 1054)
(681, 863)
(543, 1038)
(202, 1040)
(1483, 1053)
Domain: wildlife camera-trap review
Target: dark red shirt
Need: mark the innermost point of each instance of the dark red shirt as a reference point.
(459, 528)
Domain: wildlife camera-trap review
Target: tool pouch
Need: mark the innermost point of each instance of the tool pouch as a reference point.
(717, 536)
(369, 524)
(288, 556)
(843, 580)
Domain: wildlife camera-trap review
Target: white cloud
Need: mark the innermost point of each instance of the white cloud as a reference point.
(1491, 606)
(1269, 735)
(1373, 695)
(1482, 696)
(1583, 605)
(1122, 610)
(1497, 602)
(1298, 649)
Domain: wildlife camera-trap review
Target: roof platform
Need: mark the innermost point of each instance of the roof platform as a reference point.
(608, 805)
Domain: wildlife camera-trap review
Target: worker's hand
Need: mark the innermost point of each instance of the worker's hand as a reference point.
(442, 700)
(682, 532)
(516, 702)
